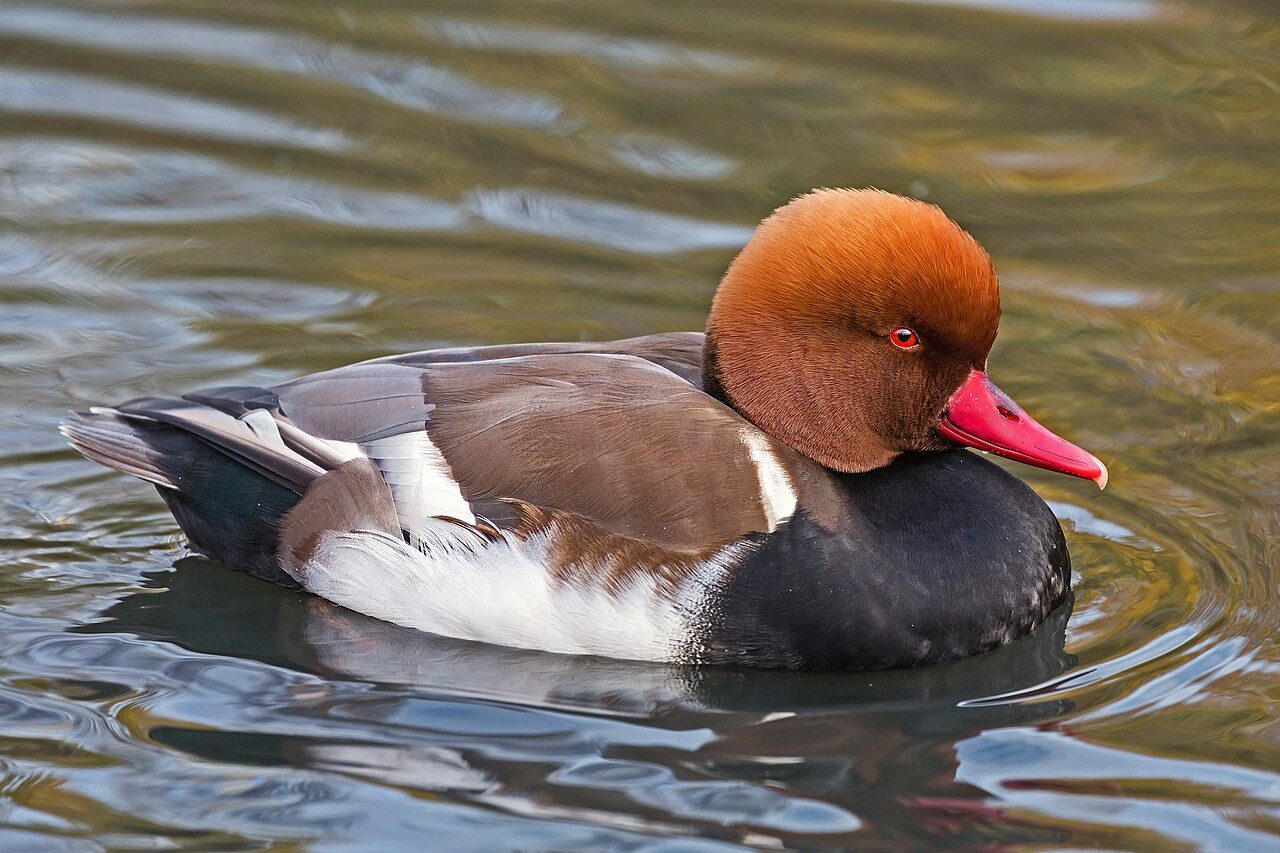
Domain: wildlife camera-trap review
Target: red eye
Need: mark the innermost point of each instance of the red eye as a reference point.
(904, 338)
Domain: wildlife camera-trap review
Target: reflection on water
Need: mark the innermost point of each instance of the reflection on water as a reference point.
(608, 730)
(241, 191)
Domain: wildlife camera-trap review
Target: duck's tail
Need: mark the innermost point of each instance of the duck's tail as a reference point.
(228, 480)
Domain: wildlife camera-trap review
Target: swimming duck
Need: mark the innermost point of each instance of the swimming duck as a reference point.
(786, 490)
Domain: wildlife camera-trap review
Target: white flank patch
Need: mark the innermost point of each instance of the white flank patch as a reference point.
(460, 585)
(777, 495)
(421, 481)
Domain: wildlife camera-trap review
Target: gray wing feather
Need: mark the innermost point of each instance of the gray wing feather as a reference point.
(360, 403)
(679, 352)
(229, 434)
(116, 442)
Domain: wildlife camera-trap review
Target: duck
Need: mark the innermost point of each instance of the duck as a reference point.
(795, 487)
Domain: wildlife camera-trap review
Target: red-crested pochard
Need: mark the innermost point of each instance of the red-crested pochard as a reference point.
(785, 490)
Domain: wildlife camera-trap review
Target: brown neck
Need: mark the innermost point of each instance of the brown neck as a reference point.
(711, 371)
(800, 412)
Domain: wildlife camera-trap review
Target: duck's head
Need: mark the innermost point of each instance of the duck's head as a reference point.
(855, 326)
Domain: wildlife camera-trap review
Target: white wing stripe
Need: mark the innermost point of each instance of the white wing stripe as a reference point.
(421, 481)
(777, 494)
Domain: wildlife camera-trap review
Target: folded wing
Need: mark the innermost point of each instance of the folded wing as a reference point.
(615, 439)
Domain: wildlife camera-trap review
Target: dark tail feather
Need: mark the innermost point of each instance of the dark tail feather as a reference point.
(134, 447)
(230, 511)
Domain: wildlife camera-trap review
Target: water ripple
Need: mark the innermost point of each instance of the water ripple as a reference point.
(609, 224)
(632, 53)
(69, 182)
(1052, 774)
(402, 80)
(55, 93)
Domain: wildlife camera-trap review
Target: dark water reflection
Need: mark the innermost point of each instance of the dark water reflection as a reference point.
(234, 191)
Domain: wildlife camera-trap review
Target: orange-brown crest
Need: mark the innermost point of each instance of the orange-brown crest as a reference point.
(798, 337)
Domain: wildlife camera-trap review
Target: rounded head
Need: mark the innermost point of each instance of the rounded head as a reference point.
(848, 322)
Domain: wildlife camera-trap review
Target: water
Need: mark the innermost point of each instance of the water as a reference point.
(239, 191)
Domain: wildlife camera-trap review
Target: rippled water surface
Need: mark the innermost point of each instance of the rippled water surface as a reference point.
(201, 192)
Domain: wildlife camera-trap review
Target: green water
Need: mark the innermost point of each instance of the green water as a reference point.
(238, 191)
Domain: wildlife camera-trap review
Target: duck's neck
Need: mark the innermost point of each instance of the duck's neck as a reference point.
(711, 383)
(795, 393)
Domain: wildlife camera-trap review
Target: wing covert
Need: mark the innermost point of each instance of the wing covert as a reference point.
(615, 439)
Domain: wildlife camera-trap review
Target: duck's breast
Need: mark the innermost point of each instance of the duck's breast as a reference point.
(935, 558)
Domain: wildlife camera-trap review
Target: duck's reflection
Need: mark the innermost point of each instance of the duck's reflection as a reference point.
(789, 752)
(206, 608)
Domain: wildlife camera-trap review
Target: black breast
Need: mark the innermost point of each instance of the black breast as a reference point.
(940, 557)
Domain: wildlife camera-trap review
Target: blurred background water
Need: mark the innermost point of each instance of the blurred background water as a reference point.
(201, 192)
